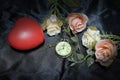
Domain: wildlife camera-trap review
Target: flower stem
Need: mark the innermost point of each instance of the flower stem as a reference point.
(63, 8)
(78, 44)
(110, 36)
(54, 8)
(81, 61)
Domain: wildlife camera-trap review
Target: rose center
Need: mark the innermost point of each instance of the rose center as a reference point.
(77, 23)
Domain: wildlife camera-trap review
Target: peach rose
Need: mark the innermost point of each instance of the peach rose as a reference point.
(105, 51)
(77, 22)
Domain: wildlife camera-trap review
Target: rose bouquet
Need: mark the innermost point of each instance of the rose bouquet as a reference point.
(101, 48)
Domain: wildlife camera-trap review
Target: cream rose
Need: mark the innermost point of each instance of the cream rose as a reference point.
(105, 52)
(53, 25)
(90, 37)
(77, 22)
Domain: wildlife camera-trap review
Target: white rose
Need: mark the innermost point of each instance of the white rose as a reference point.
(90, 37)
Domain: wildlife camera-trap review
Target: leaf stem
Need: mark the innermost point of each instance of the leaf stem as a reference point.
(63, 8)
(78, 44)
(111, 36)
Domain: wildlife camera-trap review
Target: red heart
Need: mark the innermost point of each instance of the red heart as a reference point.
(26, 34)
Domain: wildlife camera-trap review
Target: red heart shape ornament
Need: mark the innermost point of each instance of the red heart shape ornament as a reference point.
(26, 34)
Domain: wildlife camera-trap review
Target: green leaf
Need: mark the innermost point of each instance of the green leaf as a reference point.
(80, 56)
(78, 47)
(44, 23)
(92, 28)
(52, 1)
(43, 26)
(72, 3)
(90, 61)
(110, 36)
(74, 39)
(67, 30)
(72, 64)
(71, 58)
(90, 52)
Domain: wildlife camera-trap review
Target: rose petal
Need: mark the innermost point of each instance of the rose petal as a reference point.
(77, 22)
(105, 51)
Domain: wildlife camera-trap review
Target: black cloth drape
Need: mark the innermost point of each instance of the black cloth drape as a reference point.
(40, 64)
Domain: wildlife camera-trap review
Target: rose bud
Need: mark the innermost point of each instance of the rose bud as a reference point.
(105, 52)
(77, 22)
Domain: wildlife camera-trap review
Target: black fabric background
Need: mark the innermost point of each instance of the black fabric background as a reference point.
(40, 64)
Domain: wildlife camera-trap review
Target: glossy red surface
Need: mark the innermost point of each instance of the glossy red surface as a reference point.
(26, 34)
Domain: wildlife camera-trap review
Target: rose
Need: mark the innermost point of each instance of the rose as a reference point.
(53, 28)
(53, 25)
(105, 51)
(77, 22)
(90, 37)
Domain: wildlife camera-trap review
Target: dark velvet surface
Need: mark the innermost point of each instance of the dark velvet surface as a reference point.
(44, 64)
